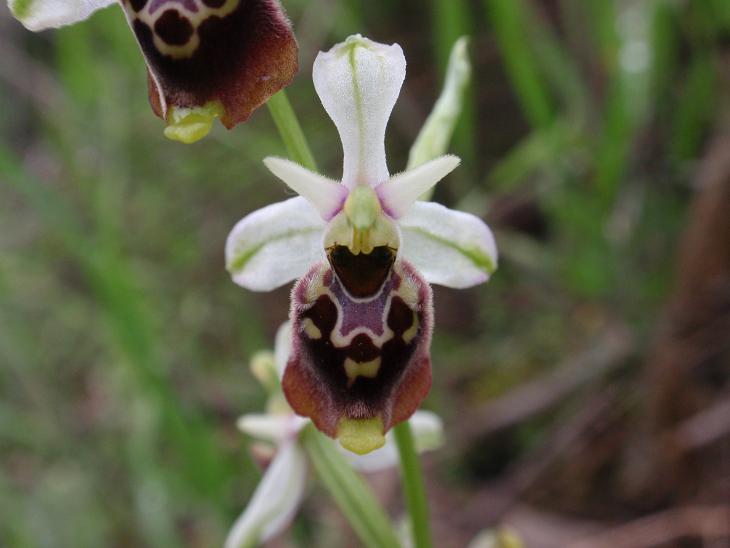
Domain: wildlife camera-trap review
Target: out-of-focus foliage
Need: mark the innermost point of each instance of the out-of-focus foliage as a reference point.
(123, 342)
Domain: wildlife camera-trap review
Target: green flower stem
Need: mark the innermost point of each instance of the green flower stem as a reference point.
(352, 494)
(290, 131)
(415, 492)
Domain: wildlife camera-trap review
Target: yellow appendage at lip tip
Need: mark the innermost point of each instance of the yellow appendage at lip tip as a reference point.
(188, 125)
(361, 436)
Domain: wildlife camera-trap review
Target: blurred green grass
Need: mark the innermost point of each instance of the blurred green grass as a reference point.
(124, 345)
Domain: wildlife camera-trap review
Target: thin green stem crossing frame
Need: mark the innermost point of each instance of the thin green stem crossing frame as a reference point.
(415, 492)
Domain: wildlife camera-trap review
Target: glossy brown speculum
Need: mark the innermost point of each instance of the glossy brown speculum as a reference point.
(362, 275)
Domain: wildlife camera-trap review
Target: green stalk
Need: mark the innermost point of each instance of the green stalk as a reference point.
(508, 21)
(351, 493)
(290, 130)
(415, 492)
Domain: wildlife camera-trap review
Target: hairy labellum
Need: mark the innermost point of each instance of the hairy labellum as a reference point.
(359, 360)
(235, 53)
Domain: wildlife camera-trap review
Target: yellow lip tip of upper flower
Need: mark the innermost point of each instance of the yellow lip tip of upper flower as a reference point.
(188, 125)
(361, 436)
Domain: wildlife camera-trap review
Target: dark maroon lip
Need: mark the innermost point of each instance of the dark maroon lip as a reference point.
(388, 332)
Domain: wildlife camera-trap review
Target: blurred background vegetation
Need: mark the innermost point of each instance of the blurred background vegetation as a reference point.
(584, 390)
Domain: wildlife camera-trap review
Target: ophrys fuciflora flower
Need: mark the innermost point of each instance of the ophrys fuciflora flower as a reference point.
(364, 251)
(205, 58)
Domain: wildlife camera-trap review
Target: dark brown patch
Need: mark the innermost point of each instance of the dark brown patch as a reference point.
(173, 28)
(323, 314)
(138, 5)
(214, 3)
(362, 349)
(362, 275)
(400, 316)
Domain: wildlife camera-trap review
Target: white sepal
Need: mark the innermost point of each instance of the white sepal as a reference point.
(275, 500)
(43, 14)
(275, 245)
(282, 347)
(326, 195)
(448, 247)
(270, 427)
(375, 461)
(399, 193)
(358, 82)
(428, 430)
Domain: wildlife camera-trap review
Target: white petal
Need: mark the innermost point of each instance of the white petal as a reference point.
(282, 347)
(264, 426)
(375, 461)
(275, 245)
(275, 500)
(269, 427)
(358, 82)
(427, 432)
(42, 14)
(448, 247)
(399, 193)
(326, 195)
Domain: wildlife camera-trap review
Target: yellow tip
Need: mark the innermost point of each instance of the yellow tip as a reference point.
(509, 539)
(361, 436)
(188, 125)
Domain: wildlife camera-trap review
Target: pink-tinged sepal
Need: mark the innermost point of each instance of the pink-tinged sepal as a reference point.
(229, 56)
(359, 365)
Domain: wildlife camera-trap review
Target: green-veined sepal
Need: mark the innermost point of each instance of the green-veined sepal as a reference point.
(275, 245)
(448, 247)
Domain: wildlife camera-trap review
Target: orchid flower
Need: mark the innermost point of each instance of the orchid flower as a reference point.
(364, 251)
(205, 58)
(281, 490)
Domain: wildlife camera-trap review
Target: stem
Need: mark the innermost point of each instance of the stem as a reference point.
(352, 494)
(290, 131)
(413, 485)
